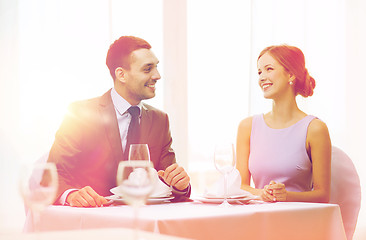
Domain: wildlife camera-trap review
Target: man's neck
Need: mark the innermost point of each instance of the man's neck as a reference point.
(121, 91)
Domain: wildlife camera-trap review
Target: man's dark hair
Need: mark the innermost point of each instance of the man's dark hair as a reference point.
(119, 52)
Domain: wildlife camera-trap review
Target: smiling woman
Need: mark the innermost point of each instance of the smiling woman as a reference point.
(296, 163)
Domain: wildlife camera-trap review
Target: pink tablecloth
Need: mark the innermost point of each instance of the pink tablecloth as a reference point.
(206, 221)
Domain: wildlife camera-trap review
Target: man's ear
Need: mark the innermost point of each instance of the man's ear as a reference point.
(120, 74)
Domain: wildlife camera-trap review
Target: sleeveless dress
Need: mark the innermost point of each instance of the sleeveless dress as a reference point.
(280, 155)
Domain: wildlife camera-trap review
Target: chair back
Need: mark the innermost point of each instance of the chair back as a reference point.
(345, 189)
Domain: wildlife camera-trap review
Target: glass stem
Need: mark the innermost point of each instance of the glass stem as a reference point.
(225, 187)
(136, 222)
(35, 220)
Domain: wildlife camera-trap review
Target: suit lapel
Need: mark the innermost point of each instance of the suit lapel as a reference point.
(145, 125)
(109, 120)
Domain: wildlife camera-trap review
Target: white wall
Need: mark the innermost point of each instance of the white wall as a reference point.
(219, 56)
(355, 128)
(9, 101)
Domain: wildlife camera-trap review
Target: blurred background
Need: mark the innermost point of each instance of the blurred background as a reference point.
(52, 52)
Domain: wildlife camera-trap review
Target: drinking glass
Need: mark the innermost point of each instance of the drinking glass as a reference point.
(135, 179)
(38, 185)
(224, 159)
(139, 152)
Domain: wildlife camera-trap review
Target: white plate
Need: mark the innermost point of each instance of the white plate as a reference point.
(159, 191)
(244, 200)
(240, 196)
(119, 200)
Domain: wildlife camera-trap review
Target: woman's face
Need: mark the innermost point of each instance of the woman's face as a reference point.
(273, 78)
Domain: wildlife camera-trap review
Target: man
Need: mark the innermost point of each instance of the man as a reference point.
(92, 138)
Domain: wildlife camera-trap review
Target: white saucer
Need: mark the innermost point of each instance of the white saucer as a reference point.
(236, 200)
(153, 200)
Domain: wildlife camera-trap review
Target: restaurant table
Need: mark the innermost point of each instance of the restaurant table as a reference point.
(196, 220)
(88, 234)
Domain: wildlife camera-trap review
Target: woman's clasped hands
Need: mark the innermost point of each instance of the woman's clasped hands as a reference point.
(274, 192)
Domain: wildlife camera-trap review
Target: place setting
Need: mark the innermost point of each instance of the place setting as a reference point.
(138, 182)
(161, 193)
(226, 190)
(216, 194)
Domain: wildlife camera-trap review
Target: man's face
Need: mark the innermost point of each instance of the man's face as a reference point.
(142, 76)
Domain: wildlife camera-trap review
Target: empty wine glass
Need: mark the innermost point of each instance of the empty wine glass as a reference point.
(135, 179)
(38, 186)
(139, 152)
(224, 159)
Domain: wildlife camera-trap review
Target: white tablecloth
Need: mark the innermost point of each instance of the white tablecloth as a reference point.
(206, 221)
(88, 234)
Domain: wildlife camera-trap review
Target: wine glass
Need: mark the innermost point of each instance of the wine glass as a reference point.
(136, 180)
(139, 152)
(224, 159)
(38, 185)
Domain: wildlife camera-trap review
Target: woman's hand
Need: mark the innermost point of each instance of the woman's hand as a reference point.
(267, 194)
(278, 191)
(274, 192)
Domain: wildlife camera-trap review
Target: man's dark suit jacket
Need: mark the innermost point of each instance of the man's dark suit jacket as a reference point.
(88, 148)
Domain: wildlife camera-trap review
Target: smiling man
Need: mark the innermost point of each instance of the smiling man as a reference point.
(93, 137)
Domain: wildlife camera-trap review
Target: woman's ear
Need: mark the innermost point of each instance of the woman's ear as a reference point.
(292, 77)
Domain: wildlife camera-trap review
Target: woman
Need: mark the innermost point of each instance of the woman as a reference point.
(285, 151)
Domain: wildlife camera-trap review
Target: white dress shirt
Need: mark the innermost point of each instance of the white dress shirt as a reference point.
(123, 116)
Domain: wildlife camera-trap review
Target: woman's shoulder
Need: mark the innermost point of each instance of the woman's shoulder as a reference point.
(246, 122)
(244, 130)
(317, 127)
(245, 125)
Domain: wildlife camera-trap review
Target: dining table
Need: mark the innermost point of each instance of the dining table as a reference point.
(89, 234)
(197, 219)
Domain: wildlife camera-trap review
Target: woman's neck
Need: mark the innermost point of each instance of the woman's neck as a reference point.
(284, 113)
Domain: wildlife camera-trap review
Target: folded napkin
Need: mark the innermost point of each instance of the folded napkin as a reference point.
(160, 188)
(217, 190)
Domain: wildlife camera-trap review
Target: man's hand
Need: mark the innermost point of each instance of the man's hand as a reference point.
(175, 176)
(86, 197)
